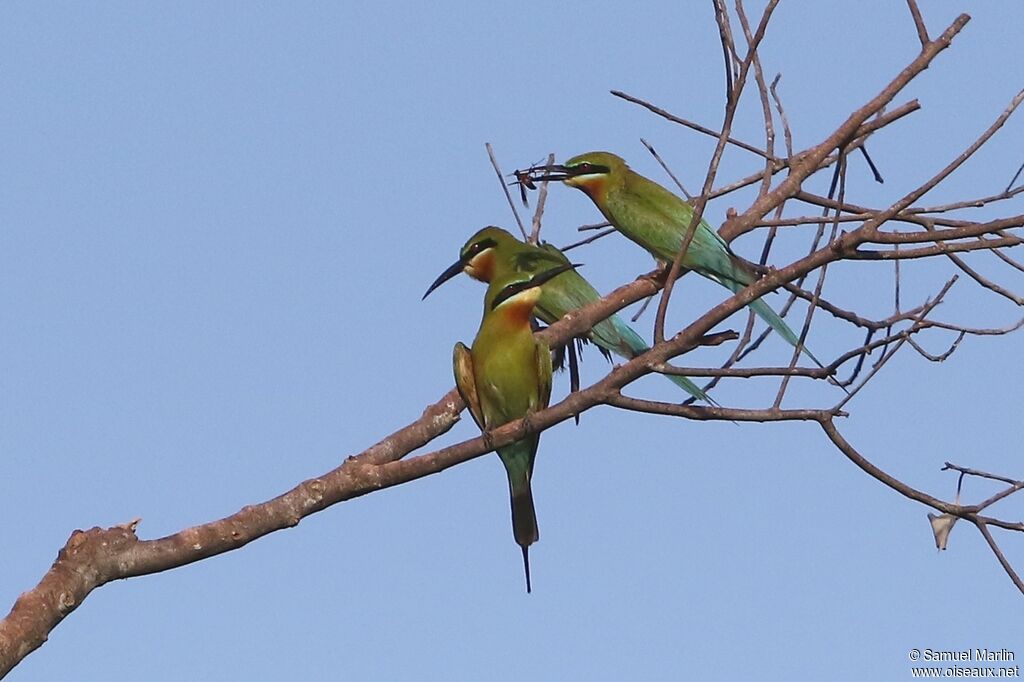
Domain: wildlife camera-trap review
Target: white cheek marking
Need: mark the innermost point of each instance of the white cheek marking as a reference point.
(584, 179)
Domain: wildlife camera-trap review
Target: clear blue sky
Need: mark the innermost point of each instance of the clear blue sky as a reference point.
(216, 222)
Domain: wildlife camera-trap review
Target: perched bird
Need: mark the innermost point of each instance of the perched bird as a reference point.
(505, 376)
(656, 219)
(494, 253)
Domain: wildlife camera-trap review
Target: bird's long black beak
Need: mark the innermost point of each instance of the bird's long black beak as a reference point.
(552, 173)
(535, 281)
(453, 269)
(547, 275)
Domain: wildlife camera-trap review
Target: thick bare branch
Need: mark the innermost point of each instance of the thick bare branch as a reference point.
(94, 557)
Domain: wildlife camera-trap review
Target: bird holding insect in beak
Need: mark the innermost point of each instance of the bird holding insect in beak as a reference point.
(656, 219)
(493, 253)
(506, 375)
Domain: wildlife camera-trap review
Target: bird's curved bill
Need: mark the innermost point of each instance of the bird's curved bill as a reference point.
(535, 281)
(453, 269)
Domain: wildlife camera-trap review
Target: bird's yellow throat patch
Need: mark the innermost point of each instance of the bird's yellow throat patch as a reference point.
(593, 184)
(519, 308)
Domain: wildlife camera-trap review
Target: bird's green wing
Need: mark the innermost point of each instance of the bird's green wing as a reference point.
(710, 256)
(554, 254)
(534, 259)
(568, 292)
(658, 218)
(465, 381)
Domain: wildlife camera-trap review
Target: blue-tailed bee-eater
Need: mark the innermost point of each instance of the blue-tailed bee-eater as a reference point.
(494, 253)
(656, 219)
(506, 375)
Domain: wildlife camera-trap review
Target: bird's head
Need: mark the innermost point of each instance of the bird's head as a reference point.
(477, 256)
(591, 172)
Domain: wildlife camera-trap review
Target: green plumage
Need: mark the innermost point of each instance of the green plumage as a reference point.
(656, 219)
(505, 376)
(563, 294)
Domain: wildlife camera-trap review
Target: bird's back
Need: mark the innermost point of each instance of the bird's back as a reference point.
(657, 220)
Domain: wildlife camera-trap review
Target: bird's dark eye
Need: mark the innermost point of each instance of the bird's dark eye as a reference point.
(479, 246)
(584, 167)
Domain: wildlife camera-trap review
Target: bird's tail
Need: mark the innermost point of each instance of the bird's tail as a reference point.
(615, 335)
(518, 459)
(765, 312)
(524, 525)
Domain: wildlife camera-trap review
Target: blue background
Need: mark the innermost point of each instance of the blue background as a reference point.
(216, 223)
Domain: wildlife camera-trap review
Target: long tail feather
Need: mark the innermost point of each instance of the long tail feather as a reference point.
(623, 341)
(524, 526)
(766, 313)
(518, 460)
(738, 278)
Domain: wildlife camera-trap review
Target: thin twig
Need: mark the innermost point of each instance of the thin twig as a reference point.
(983, 527)
(941, 357)
(668, 170)
(922, 32)
(504, 188)
(684, 122)
(539, 213)
(699, 205)
(967, 471)
(1015, 176)
(927, 308)
(871, 164)
(588, 240)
